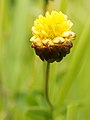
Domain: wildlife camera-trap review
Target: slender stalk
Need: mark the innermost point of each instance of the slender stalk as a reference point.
(45, 6)
(47, 85)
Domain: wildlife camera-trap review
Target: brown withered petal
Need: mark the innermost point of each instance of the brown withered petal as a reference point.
(55, 52)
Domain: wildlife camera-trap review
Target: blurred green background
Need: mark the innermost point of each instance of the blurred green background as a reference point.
(22, 72)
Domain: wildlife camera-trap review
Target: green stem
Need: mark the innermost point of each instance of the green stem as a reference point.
(47, 85)
(45, 6)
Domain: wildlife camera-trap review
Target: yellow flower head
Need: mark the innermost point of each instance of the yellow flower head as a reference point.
(52, 36)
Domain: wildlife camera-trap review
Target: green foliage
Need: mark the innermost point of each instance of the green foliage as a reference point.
(22, 72)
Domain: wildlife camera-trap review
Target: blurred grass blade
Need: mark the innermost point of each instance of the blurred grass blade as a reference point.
(17, 42)
(72, 112)
(2, 10)
(2, 7)
(75, 65)
(39, 113)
